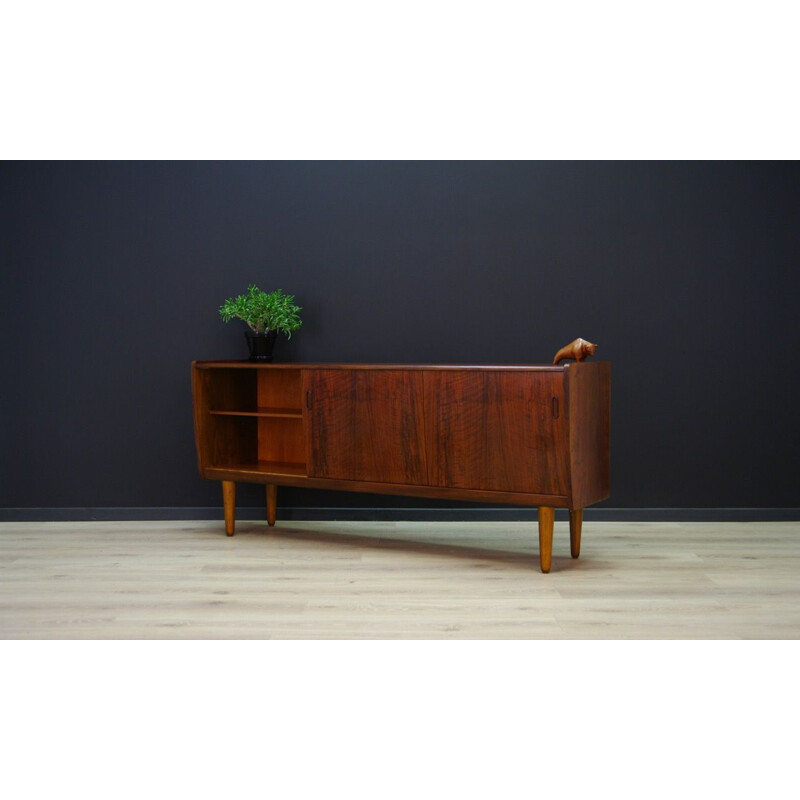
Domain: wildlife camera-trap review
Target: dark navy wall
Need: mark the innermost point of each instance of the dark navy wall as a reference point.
(687, 275)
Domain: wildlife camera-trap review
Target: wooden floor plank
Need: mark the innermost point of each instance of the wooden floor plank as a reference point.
(404, 580)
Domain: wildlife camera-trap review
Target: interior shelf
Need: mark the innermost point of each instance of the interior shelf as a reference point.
(250, 423)
(283, 413)
(293, 468)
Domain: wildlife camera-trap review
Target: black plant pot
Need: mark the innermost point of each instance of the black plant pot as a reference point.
(261, 344)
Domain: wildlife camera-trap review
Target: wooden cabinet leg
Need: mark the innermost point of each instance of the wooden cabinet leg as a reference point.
(575, 523)
(547, 515)
(229, 501)
(272, 503)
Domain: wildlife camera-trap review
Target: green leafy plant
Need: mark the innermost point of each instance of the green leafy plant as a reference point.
(262, 311)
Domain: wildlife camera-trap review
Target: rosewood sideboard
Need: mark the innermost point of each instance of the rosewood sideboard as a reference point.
(518, 435)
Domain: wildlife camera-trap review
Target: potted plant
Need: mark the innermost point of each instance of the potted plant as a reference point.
(266, 314)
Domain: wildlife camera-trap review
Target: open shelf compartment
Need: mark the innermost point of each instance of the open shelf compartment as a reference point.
(251, 420)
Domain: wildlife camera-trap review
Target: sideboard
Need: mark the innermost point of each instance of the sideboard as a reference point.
(520, 435)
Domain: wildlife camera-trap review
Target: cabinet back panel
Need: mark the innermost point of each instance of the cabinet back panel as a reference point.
(279, 388)
(281, 440)
(232, 440)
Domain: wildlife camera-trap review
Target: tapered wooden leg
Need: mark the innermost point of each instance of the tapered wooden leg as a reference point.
(575, 523)
(547, 516)
(229, 501)
(272, 503)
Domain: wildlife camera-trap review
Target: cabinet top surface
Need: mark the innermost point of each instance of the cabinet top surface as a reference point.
(245, 364)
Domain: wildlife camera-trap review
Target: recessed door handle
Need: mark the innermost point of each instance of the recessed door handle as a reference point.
(555, 408)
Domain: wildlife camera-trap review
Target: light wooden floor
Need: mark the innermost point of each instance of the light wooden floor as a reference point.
(387, 580)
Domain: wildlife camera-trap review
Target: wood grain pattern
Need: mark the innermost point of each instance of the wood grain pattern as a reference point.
(283, 474)
(280, 388)
(223, 439)
(281, 440)
(575, 525)
(589, 410)
(264, 411)
(366, 426)
(229, 504)
(497, 431)
(578, 349)
(547, 516)
(397, 580)
(528, 435)
(250, 365)
(272, 503)
(281, 437)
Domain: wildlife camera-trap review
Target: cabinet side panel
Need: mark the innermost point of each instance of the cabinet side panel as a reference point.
(589, 399)
(202, 418)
